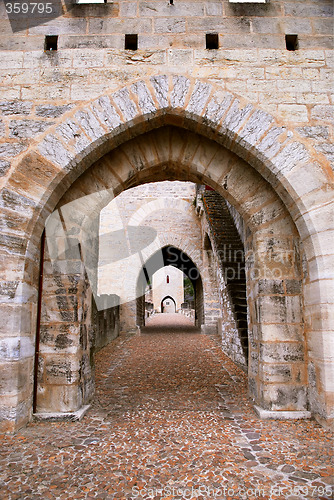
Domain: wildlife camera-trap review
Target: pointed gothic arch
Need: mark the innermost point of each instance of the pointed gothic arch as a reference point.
(42, 175)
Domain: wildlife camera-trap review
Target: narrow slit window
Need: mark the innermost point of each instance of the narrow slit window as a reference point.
(291, 42)
(212, 41)
(167, 279)
(171, 2)
(131, 42)
(51, 43)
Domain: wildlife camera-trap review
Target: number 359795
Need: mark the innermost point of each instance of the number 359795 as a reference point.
(29, 8)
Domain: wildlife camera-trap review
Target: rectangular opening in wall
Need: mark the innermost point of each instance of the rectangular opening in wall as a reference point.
(291, 42)
(91, 1)
(51, 43)
(131, 42)
(212, 41)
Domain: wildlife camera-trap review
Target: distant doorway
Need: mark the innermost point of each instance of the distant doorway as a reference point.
(168, 305)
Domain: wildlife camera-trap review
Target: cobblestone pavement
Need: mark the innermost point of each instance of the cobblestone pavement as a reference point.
(171, 420)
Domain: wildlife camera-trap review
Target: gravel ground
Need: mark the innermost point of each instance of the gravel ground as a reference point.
(170, 420)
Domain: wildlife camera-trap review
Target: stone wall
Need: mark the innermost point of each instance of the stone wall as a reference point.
(168, 209)
(64, 113)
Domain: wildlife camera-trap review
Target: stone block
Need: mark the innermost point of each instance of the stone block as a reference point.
(111, 26)
(125, 104)
(11, 149)
(199, 98)
(145, 100)
(179, 57)
(128, 9)
(166, 25)
(27, 128)
(52, 110)
(278, 397)
(90, 124)
(325, 113)
(161, 88)
(52, 149)
(181, 86)
(106, 112)
(16, 107)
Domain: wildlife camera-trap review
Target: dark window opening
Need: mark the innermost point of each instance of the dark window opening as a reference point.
(131, 42)
(212, 41)
(291, 42)
(167, 279)
(51, 43)
(171, 2)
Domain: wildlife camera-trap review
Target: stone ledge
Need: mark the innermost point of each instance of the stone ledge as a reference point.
(62, 417)
(281, 415)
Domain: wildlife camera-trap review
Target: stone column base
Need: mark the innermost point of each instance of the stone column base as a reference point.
(281, 415)
(72, 416)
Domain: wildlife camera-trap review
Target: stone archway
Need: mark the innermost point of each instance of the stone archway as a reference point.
(173, 254)
(166, 306)
(84, 135)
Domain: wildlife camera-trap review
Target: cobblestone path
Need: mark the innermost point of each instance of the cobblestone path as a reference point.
(171, 420)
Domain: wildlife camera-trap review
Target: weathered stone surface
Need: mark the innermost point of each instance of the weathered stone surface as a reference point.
(27, 128)
(106, 112)
(180, 88)
(4, 167)
(125, 104)
(15, 107)
(54, 151)
(145, 100)
(10, 149)
(198, 98)
(161, 87)
(90, 124)
(52, 110)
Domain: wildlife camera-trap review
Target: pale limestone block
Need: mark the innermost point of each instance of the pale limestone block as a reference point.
(89, 91)
(11, 149)
(11, 59)
(181, 86)
(325, 113)
(321, 346)
(293, 112)
(106, 112)
(322, 267)
(85, 58)
(145, 100)
(167, 25)
(199, 97)
(321, 292)
(90, 124)
(217, 107)
(236, 116)
(125, 104)
(54, 151)
(318, 220)
(161, 88)
(289, 157)
(258, 123)
(39, 59)
(180, 57)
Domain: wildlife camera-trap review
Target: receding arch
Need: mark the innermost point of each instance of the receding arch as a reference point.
(167, 297)
(170, 255)
(57, 159)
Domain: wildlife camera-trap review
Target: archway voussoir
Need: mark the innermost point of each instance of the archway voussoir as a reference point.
(179, 92)
(255, 127)
(145, 100)
(106, 112)
(52, 149)
(125, 104)
(198, 98)
(160, 85)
